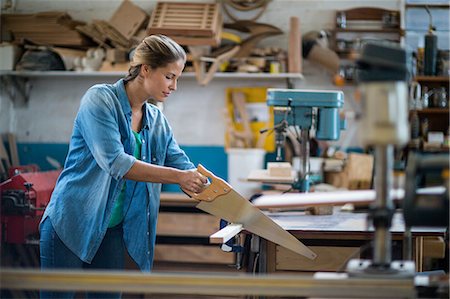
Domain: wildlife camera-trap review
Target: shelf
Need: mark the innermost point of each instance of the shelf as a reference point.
(431, 79)
(369, 30)
(432, 6)
(30, 74)
(434, 111)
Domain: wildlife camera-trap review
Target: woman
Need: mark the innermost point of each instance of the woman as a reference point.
(121, 150)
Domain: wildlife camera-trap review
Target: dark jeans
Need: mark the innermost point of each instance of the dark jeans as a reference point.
(55, 255)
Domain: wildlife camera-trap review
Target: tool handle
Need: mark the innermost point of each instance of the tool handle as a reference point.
(217, 187)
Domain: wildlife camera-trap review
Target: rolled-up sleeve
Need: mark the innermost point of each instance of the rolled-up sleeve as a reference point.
(175, 156)
(98, 120)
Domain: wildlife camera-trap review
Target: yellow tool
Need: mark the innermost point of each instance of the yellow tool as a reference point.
(219, 199)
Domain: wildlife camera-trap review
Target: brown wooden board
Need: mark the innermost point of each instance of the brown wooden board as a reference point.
(48, 28)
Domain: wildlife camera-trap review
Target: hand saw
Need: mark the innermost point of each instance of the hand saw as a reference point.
(219, 199)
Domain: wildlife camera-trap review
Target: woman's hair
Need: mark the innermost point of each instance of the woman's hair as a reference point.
(156, 51)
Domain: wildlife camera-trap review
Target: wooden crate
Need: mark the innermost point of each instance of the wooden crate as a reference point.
(189, 24)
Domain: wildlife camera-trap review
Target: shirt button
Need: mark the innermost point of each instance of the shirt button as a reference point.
(148, 252)
(148, 214)
(143, 157)
(153, 159)
(148, 233)
(143, 140)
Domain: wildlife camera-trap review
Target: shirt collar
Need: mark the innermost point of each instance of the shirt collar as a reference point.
(123, 97)
(125, 103)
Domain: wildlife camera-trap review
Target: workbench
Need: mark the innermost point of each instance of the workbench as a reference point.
(183, 232)
(182, 237)
(340, 237)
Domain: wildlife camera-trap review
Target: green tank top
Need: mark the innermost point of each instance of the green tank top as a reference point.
(117, 211)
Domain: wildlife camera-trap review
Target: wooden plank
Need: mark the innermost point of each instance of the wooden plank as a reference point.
(229, 284)
(329, 258)
(4, 157)
(225, 234)
(192, 254)
(13, 149)
(239, 102)
(295, 46)
(263, 176)
(187, 224)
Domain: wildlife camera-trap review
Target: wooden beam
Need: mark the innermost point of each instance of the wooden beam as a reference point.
(207, 284)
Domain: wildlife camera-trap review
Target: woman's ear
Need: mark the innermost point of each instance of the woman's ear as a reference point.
(145, 69)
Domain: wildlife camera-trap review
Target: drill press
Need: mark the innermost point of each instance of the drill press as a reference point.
(304, 110)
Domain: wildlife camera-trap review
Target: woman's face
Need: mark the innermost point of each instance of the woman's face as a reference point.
(159, 83)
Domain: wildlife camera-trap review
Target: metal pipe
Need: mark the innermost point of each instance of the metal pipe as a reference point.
(407, 244)
(383, 205)
(303, 173)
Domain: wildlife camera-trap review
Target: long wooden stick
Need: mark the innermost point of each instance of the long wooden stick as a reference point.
(295, 46)
(207, 284)
(225, 233)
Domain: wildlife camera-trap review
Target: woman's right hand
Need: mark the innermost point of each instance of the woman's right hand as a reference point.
(192, 181)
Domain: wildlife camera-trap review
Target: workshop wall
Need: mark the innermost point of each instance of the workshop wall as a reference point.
(43, 125)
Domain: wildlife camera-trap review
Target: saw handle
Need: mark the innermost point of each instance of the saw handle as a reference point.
(216, 188)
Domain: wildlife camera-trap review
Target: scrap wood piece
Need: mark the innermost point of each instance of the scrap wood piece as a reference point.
(295, 48)
(200, 59)
(226, 233)
(250, 43)
(185, 19)
(4, 158)
(239, 103)
(46, 28)
(116, 38)
(13, 149)
(128, 19)
(252, 27)
(91, 31)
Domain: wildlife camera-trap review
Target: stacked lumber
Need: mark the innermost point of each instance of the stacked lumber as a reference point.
(190, 24)
(45, 28)
(120, 30)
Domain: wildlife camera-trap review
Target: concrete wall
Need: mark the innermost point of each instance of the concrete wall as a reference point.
(195, 112)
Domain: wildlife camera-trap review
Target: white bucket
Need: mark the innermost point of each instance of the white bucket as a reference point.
(241, 161)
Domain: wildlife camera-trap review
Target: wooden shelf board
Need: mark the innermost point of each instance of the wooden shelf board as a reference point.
(371, 30)
(432, 6)
(122, 74)
(432, 79)
(434, 111)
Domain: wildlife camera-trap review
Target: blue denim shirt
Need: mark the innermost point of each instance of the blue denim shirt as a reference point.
(100, 154)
